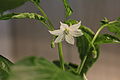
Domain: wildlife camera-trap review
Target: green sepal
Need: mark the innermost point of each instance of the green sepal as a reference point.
(70, 22)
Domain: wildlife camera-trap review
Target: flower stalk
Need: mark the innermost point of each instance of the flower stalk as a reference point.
(61, 55)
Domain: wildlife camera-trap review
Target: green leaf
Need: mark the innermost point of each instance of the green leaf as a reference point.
(106, 38)
(22, 16)
(10, 4)
(39, 69)
(68, 66)
(115, 28)
(88, 33)
(86, 49)
(4, 67)
(68, 9)
(37, 1)
(5, 63)
(83, 46)
(104, 21)
(3, 74)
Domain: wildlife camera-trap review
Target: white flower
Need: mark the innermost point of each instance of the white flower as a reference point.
(67, 32)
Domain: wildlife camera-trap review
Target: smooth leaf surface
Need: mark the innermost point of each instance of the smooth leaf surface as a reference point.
(115, 28)
(4, 67)
(68, 9)
(106, 38)
(39, 69)
(10, 4)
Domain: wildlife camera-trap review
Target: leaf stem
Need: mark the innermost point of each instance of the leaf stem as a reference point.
(80, 67)
(61, 55)
(97, 33)
(44, 14)
(99, 30)
(51, 27)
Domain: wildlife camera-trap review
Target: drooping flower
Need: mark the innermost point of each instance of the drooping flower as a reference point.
(67, 32)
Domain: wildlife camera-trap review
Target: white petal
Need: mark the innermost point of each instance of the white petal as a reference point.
(56, 32)
(59, 38)
(63, 26)
(76, 33)
(69, 38)
(75, 26)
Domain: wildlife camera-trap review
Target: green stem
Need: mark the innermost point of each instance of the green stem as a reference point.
(80, 67)
(61, 55)
(97, 33)
(51, 27)
(48, 27)
(99, 30)
(44, 14)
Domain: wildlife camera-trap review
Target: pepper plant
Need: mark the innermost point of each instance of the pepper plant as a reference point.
(72, 31)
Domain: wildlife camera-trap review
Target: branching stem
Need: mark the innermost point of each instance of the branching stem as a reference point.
(80, 67)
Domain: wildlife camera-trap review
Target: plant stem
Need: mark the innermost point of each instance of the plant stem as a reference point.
(61, 55)
(51, 27)
(99, 30)
(44, 14)
(97, 33)
(80, 67)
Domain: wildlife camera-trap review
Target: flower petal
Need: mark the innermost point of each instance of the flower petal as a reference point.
(75, 26)
(69, 38)
(59, 38)
(76, 33)
(56, 32)
(63, 26)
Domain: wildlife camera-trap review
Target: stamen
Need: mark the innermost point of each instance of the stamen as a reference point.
(66, 31)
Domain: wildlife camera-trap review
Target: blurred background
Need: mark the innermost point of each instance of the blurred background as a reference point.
(21, 38)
